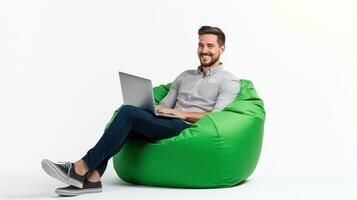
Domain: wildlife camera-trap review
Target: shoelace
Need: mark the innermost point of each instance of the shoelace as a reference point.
(67, 165)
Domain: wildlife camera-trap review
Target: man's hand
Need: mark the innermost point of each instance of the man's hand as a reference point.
(157, 107)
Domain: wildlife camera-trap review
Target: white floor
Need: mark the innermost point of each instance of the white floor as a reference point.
(263, 184)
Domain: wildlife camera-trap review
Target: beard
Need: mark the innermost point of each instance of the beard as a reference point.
(209, 64)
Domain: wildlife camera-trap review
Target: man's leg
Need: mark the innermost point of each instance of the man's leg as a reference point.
(130, 120)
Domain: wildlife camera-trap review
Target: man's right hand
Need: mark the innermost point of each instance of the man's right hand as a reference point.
(157, 108)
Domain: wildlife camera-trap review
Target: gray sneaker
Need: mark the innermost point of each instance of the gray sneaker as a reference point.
(88, 187)
(63, 172)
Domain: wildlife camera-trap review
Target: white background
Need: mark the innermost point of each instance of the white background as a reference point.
(59, 86)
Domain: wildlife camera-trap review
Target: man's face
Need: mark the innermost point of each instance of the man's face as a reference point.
(209, 50)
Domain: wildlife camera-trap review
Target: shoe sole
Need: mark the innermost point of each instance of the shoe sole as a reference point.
(55, 172)
(64, 192)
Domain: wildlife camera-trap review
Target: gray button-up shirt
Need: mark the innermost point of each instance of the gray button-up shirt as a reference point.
(192, 91)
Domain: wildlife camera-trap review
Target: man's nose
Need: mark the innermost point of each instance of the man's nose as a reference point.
(204, 50)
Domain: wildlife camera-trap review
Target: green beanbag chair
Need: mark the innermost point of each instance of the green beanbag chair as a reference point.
(219, 150)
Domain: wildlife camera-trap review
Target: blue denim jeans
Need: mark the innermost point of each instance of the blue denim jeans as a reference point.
(130, 122)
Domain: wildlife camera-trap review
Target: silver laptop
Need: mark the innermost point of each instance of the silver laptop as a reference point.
(137, 91)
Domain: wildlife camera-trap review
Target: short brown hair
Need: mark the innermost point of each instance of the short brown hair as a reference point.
(221, 38)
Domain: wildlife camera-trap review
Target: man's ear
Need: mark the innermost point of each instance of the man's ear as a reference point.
(223, 47)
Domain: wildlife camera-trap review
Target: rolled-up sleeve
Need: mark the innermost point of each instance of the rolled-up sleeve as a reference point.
(228, 91)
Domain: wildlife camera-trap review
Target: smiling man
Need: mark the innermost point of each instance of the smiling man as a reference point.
(193, 94)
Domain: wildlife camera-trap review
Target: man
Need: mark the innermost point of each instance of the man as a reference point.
(192, 95)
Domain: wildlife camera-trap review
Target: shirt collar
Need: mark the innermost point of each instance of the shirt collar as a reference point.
(211, 70)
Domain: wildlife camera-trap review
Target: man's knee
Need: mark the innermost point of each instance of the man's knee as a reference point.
(126, 108)
(129, 109)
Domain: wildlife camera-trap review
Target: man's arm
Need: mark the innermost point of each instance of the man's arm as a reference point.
(192, 116)
(188, 116)
(228, 91)
(170, 99)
